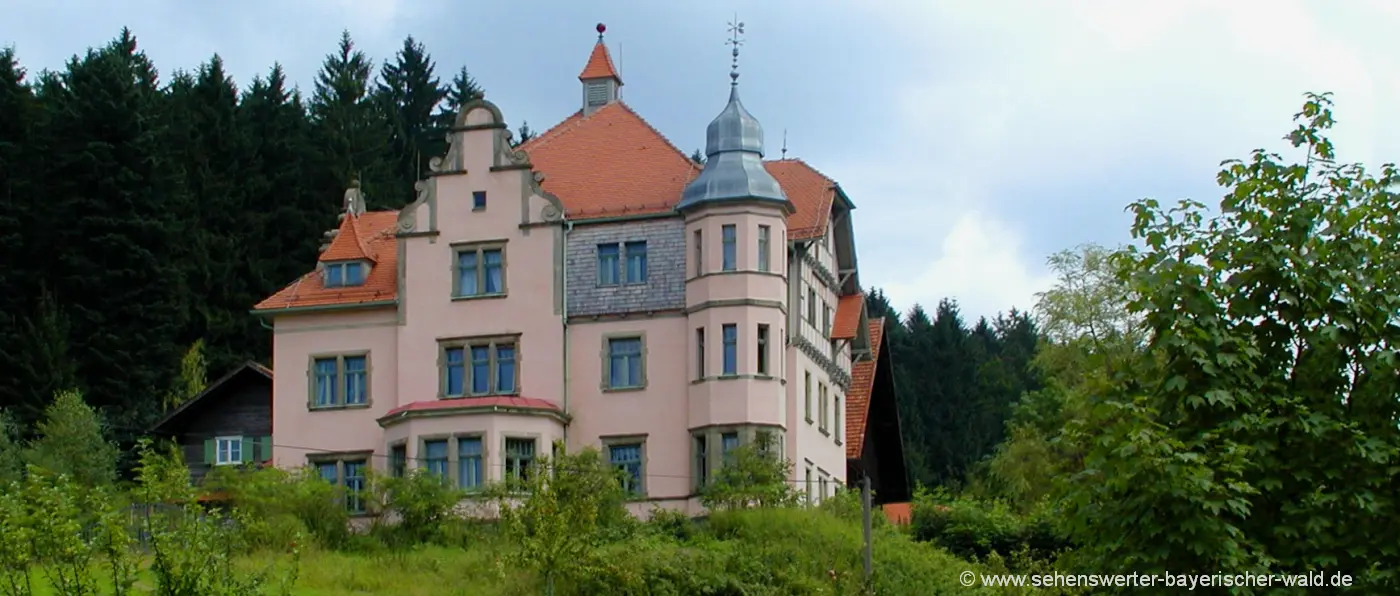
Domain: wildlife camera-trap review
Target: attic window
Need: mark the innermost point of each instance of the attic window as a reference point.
(597, 93)
(350, 273)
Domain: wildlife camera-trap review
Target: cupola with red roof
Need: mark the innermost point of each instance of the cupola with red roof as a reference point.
(599, 77)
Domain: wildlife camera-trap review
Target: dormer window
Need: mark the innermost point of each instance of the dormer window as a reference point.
(345, 274)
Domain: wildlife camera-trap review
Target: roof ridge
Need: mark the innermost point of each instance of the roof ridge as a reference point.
(807, 165)
(674, 148)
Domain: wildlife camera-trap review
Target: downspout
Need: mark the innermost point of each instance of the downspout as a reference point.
(564, 310)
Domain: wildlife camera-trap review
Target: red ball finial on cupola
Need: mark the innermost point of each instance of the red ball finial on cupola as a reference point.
(601, 28)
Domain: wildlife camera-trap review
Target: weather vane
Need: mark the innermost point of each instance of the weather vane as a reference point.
(736, 39)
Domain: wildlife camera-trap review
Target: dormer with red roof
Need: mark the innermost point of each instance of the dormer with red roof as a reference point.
(601, 82)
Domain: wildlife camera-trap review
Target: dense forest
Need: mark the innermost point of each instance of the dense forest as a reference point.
(146, 212)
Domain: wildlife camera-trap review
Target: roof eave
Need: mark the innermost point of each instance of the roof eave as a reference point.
(319, 308)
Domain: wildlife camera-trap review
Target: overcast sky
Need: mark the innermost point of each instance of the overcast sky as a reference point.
(975, 137)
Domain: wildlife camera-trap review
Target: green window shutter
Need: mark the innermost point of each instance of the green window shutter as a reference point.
(247, 451)
(209, 451)
(265, 451)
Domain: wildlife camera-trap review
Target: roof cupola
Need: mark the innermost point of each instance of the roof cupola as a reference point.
(599, 77)
(734, 151)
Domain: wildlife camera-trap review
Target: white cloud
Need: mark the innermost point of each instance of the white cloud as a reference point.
(1063, 101)
(979, 262)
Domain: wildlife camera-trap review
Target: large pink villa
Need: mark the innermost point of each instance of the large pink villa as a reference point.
(594, 286)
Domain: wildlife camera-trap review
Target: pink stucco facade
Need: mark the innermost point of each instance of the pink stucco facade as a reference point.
(661, 339)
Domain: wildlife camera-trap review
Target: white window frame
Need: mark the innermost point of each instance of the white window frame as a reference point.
(220, 452)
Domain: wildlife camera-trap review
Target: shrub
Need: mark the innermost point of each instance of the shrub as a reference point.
(281, 505)
(753, 477)
(976, 529)
(71, 442)
(420, 503)
(193, 552)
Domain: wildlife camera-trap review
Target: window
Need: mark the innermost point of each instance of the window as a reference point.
(398, 460)
(826, 320)
(625, 363)
(807, 377)
(836, 417)
(608, 255)
(702, 461)
(348, 474)
(699, 255)
(731, 349)
(728, 234)
(762, 349)
(228, 450)
(520, 454)
(823, 483)
(700, 353)
(339, 275)
(479, 367)
(478, 200)
(469, 470)
(622, 263)
(628, 458)
(728, 442)
(764, 232)
(821, 394)
(355, 485)
(636, 253)
(811, 304)
(340, 381)
(435, 457)
(481, 271)
(809, 484)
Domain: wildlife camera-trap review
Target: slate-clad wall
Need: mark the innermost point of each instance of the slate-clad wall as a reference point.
(665, 284)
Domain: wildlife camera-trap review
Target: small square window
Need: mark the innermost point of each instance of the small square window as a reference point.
(228, 451)
(478, 200)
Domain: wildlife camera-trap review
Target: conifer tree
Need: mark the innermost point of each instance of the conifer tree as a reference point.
(411, 93)
(110, 200)
(352, 129)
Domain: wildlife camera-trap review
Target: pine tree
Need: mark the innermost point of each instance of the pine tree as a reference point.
(353, 129)
(109, 202)
(213, 157)
(411, 94)
(462, 91)
(19, 115)
(697, 157)
(288, 206)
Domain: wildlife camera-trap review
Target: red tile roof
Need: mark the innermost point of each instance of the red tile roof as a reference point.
(600, 64)
(608, 163)
(349, 243)
(858, 398)
(810, 191)
(376, 229)
(519, 403)
(847, 323)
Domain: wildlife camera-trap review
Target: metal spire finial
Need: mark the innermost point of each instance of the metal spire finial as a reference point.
(736, 39)
(784, 143)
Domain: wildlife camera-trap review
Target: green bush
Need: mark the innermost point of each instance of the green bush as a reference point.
(773, 551)
(976, 529)
(419, 506)
(282, 505)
